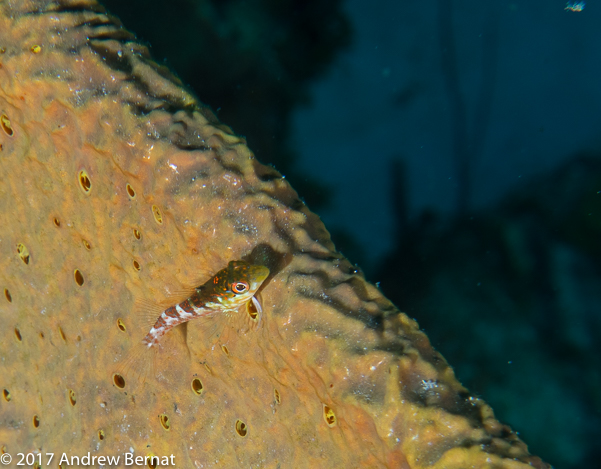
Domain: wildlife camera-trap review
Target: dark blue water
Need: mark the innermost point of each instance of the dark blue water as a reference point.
(504, 98)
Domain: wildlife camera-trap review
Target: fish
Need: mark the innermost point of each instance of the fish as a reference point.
(224, 294)
(219, 298)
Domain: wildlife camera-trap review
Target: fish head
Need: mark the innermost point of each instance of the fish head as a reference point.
(238, 283)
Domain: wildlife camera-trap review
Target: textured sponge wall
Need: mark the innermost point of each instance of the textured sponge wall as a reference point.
(116, 184)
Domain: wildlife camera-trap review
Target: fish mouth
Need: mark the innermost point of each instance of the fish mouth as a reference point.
(258, 273)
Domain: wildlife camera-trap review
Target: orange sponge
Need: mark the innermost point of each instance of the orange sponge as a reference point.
(116, 184)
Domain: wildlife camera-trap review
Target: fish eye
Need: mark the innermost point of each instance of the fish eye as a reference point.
(239, 287)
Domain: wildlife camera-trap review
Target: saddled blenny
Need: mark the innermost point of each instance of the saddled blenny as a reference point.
(219, 299)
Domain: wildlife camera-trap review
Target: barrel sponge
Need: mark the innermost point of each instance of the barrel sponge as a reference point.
(116, 184)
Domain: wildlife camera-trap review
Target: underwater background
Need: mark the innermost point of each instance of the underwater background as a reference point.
(459, 165)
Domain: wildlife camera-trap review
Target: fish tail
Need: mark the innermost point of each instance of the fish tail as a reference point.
(136, 367)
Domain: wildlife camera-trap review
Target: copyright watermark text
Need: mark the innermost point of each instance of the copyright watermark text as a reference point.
(29, 459)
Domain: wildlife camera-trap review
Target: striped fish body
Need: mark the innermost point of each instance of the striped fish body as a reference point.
(224, 293)
(191, 308)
